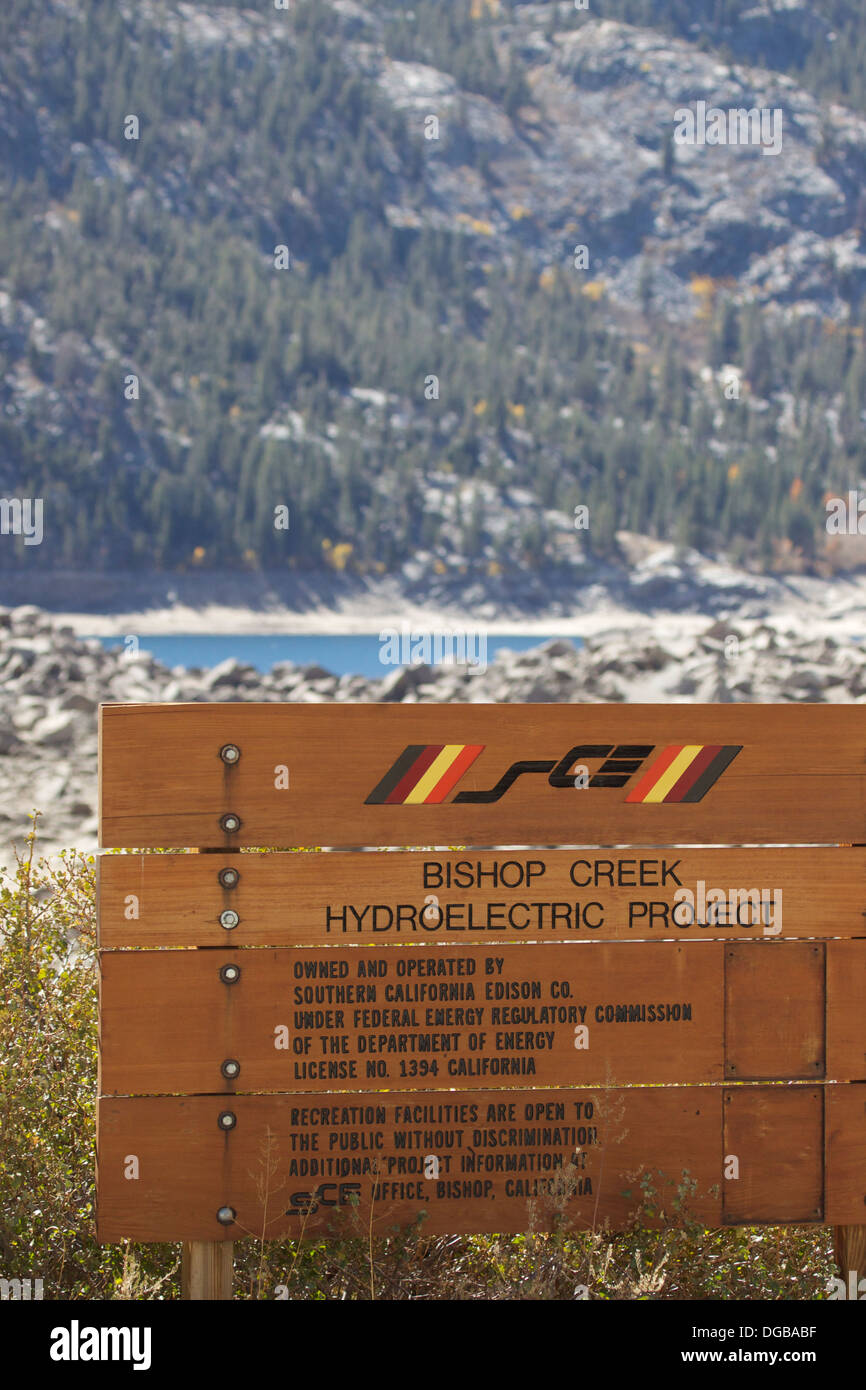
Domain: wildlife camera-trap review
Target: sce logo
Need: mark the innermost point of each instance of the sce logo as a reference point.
(305, 1203)
(426, 773)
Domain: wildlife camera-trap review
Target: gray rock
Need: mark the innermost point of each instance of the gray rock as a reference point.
(230, 672)
(81, 701)
(559, 648)
(27, 619)
(27, 711)
(57, 730)
(9, 740)
(398, 685)
(317, 673)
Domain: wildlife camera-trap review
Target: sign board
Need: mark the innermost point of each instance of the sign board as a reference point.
(544, 895)
(480, 775)
(504, 1160)
(461, 1017)
(493, 1039)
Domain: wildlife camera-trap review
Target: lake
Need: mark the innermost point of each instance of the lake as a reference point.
(349, 654)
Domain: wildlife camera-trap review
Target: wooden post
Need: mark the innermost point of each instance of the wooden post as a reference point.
(206, 1269)
(849, 1249)
(849, 1242)
(206, 1266)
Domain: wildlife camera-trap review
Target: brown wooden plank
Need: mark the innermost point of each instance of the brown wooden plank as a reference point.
(775, 1010)
(367, 1020)
(846, 1010)
(188, 1168)
(314, 899)
(283, 1148)
(776, 1135)
(798, 777)
(168, 1022)
(846, 1156)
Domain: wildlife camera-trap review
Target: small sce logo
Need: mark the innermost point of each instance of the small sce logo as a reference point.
(327, 1194)
(424, 774)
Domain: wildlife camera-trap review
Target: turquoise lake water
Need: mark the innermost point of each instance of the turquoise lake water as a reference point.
(355, 654)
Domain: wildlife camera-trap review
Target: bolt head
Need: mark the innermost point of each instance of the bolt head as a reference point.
(230, 753)
(230, 974)
(229, 877)
(229, 919)
(226, 1215)
(230, 1068)
(230, 823)
(227, 1119)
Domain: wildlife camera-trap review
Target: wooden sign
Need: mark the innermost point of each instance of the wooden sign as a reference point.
(458, 1017)
(278, 776)
(527, 896)
(478, 1037)
(486, 1160)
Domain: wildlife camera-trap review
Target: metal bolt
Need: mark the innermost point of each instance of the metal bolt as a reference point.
(230, 752)
(229, 919)
(229, 878)
(230, 1069)
(230, 974)
(227, 1119)
(230, 823)
(226, 1215)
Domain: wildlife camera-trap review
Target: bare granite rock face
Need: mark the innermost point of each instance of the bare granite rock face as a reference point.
(51, 683)
(586, 164)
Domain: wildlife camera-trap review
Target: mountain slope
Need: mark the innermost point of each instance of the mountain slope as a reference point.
(440, 377)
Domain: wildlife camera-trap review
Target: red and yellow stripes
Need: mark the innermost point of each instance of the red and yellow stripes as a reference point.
(684, 772)
(424, 773)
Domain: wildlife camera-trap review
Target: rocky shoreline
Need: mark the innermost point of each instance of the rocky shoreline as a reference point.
(52, 682)
(654, 584)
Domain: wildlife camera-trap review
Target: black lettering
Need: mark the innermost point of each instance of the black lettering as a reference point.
(432, 874)
(506, 780)
(332, 916)
(604, 872)
(658, 910)
(670, 871)
(626, 873)
(580, 882)
(562, 776)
